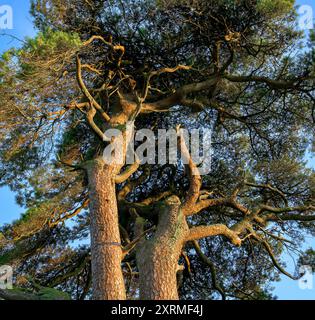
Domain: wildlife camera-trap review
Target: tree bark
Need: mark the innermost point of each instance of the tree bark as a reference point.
(158, 257)
(106, 251)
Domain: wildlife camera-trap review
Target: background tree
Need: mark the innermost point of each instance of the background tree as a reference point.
(233, 66)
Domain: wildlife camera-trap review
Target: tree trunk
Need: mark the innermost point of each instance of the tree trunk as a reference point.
(157, 258)
(106, 251)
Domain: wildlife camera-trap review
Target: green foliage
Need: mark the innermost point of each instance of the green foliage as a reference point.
(308, 259)
(49, 42)
(260, 134)
(43, 293)
(275, 7)
(10, 255)
(271, 8)
(33, 219)
(52, 294)
(5, 66)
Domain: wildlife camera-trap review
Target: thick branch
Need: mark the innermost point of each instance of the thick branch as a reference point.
(208, 203)
(200, 232)
(179, 95)
(122, 177)
(194, 176)
(150, 200)
(90, 118)
(107, 43)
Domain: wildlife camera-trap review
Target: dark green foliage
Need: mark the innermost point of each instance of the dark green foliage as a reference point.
(261, 131)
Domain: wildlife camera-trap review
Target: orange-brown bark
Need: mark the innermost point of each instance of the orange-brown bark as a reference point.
(106, 251)
(158, 257)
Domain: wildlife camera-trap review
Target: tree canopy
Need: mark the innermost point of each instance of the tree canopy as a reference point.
(238, 67)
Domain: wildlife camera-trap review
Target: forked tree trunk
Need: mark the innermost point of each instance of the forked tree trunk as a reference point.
(106, 251)
(158, 257)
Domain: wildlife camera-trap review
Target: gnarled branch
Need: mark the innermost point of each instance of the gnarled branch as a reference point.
(87, 93)
(122, 177)
(194, 176)
(90, 118)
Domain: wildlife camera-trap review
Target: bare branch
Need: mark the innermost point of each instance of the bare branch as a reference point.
(107, 43)
(207, 261)
(87, 93)
(274, 84)
(91, 68)
(272, 255)
(266, 208)
(271, 188)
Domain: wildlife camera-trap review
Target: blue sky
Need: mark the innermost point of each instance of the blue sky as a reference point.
(22, 27)
(22, 23)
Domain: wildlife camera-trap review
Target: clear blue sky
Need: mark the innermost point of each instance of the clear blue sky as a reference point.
(22, 27)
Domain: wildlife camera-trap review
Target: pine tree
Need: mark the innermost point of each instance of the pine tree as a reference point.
(238, 67)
